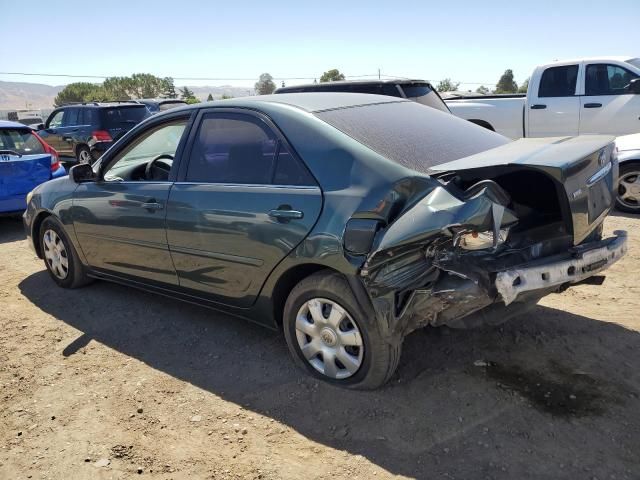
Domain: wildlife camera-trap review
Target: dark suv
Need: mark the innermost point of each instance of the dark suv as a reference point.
(84, 131)
(419, 91)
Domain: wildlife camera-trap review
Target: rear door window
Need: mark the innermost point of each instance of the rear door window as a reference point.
(289, 170)
(232, 148)
(20, 141)
(559, 81)
(604, 79)
(70, 117)
(123, 117)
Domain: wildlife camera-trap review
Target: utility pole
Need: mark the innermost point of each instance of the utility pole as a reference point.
(378, 74)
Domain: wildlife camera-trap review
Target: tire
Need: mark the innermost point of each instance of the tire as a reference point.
(83, 154)
(60, 257)
(369, 366)
(629, 173)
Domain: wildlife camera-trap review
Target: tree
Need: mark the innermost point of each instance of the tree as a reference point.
(79, 92)
(265, 85)
(117, 88)
(169, 89)
(482, 90)
(188, 96)
(506, 84)
(524, 87)
(332, 75)
(210, 98)
(447, 85)
(226, 96)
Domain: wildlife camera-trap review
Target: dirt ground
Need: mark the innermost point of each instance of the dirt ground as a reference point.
(107, 382)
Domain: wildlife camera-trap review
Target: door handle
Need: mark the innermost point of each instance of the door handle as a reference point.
(592, 105)
(538, 106)
(286, 214)
(152, 205)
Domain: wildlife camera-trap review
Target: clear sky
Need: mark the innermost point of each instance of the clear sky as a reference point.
(469, 41)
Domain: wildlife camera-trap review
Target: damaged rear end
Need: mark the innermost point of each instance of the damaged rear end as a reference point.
(490, 235)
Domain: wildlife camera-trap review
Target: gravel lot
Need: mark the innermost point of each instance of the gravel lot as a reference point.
(108, 382)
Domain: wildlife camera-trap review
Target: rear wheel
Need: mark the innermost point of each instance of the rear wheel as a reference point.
(60, 257)
(329, 337)
(83, 155)
(628, 199)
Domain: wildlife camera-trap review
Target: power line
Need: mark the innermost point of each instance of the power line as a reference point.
(218, 79)
(226, 79)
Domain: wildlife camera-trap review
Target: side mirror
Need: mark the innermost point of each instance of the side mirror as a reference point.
(39, 126)
(634, 85)
(82, 173)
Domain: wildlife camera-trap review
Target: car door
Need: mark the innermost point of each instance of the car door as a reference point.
(120, 219)
(608, 106)
(50, 133)
(68, 131)
(245, 202)
(554, 109)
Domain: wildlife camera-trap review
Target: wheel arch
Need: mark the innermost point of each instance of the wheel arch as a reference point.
(35, 230)
(287, 281)
(482, 123)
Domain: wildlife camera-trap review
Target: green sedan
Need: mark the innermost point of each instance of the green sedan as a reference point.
(346, 220)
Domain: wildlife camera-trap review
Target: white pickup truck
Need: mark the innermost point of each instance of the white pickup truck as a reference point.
(573, 97)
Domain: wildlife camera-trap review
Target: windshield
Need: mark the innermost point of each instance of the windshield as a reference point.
(169, 105)
(424, 94)
(123, 117)
(411, 135)
(19, 141)
(635, 62)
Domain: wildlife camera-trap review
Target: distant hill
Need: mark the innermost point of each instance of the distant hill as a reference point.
(18, 95)
(27, 95)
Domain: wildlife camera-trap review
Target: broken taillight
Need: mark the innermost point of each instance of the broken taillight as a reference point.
(481, 240)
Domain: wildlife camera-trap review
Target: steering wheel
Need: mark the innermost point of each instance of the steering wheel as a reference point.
(152, 167)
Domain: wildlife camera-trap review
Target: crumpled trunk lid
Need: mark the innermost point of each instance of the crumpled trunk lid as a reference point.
(583, 167)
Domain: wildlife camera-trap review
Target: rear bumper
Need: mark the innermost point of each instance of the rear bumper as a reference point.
(585, 262)
(13, 204)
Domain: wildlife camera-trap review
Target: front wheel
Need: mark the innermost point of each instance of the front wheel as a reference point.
(329, 336)
(628, 199)
(60, 256)
(83, 154)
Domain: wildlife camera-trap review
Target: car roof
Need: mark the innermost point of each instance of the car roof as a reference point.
(9, 124)
(613, 58)
(311, 102)
(394, 81)
(124, 103)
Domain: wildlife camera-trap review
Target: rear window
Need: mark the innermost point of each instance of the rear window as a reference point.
(635, 62)
(169, 105)
(424, 94)
(20, 141)
(559, 81)
(411, 135)
(118, 117)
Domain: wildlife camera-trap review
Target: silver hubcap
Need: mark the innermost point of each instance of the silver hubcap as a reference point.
(629, 190)
(85, 157)
(55, 254)
(329, 338)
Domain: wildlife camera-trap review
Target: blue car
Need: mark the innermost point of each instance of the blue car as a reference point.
(26, 161)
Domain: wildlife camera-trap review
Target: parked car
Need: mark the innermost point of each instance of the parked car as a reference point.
(33, 122)
(573, 97)
(26, 161)
(628, 199)
(348, 220)
(83, 132)
(157, 105)
(417, 90)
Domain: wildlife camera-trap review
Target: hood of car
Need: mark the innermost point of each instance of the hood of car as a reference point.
(627, 143)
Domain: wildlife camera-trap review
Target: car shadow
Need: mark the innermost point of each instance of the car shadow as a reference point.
(11, 229)
(463, 404)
